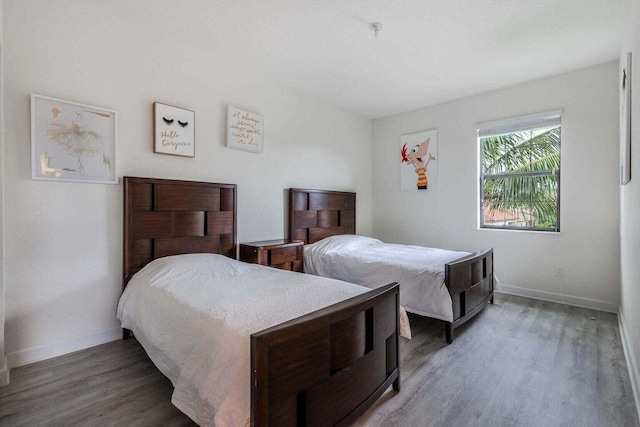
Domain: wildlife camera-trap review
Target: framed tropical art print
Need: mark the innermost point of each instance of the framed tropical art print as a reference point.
(625, 121)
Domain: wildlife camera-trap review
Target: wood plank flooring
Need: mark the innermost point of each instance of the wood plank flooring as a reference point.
(521, 362)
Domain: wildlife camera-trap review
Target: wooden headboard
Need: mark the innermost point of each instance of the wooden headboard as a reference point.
(167, 217)
(316, 214)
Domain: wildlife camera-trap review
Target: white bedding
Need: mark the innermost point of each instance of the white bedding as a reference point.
(372, 263)
(194, 315)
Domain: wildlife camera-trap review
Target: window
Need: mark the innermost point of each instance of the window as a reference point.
(520, 173)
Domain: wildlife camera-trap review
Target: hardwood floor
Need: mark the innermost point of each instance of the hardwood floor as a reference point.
(113, 384)
(521, 362)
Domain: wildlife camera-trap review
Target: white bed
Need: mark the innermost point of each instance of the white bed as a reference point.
(372, 263)
(447, 285)
(194, 315)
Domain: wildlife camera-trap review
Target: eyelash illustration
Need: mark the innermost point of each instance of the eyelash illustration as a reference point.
(167, 121)
(183, 124)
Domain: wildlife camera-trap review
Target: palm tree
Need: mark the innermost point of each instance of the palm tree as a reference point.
(520, 173)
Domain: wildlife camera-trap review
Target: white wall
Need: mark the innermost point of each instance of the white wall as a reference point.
(629, 223)
(447, 216)
(63, 241)
(4, 370)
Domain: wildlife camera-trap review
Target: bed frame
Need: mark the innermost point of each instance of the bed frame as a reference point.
(316, 214)
(324, 368)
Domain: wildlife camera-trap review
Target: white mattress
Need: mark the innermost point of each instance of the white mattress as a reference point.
(372, 263)
(194, 315)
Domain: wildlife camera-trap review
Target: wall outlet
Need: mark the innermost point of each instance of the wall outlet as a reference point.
(559, 271)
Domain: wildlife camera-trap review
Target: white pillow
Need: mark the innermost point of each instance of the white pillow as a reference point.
(341, 242)
(186, 266)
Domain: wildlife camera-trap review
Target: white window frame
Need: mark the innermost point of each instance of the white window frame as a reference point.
(508, 126)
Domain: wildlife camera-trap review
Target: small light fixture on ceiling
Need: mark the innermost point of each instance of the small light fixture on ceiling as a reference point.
(376, 27)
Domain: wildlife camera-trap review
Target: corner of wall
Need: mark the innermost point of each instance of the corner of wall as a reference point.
(632, 365)
(43, 352)
(4, 373)
(559, 298)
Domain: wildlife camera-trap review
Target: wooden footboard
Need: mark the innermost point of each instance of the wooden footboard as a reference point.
(470, 284)
(329, 366)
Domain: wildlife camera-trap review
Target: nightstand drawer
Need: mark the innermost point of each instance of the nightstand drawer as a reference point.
(283, 255)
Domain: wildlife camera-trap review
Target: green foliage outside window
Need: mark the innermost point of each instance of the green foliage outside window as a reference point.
(521, 179)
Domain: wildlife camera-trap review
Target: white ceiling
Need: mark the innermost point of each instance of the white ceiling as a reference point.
(428, 52)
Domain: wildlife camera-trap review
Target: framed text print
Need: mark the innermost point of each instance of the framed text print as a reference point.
(244, 130)
(72, 141)
(173, 130)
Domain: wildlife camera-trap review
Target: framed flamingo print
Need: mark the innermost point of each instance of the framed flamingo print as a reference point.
(72, 141)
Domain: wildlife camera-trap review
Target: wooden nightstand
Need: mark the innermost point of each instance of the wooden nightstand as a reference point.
(284, 254)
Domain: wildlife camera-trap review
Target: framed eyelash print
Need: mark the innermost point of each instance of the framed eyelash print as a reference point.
(174, 130)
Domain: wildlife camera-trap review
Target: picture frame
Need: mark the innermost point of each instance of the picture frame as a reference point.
(625, 121)
(73, 142)
(418, 161)
(244, 130)
(173, 130)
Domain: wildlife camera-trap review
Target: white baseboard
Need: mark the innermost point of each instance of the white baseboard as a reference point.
(36, 354)
(632, 364)
(560, 298)
(4, 372)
